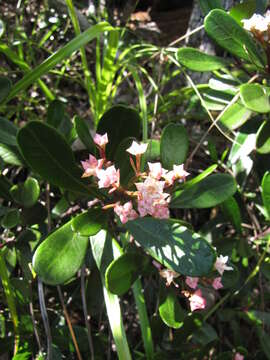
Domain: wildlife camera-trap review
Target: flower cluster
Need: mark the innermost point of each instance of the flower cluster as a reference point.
(259, 26)
(153, 187)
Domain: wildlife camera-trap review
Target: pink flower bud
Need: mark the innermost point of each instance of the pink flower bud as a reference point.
(101, 140)
(197, 301)
(238, 356)
(125, 212)
(108, 177)
(217, 284)
(90, 166)
(192, 282)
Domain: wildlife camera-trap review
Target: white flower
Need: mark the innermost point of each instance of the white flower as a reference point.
(257, 23)
(220, 264)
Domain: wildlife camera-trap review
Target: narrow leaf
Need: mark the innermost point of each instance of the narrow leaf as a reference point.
(263, 138)
(266, 192)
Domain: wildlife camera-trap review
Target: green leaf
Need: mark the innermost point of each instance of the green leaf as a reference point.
(264, 341)
(104, 252)
(197, 60)
(263, 138)
(119, 122)
(173, 245)
(243, 145)
(255, 97)
(26, 194)
(235, 116)
(205, 335)
(209, 192)
(48, 154)
(11, 219)
(232, 37)
(200, 177)
(5, 185)
(11, 155)
(57, 57)
(153, 150)
(173, 145)
(84, 134)
(60, 255)
(5, 84)
(266, 192)
(90, 222)
(8, 132)
(122, 161)
(170, 310)
(243, 10)
(123, 272)
(208, 5)
(34, 215)
(56, 113)
(232, 212)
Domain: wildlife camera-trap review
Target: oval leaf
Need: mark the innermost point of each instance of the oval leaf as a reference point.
(26, 194)
(5, 86)
(89, 223)
(232, 37)
(11, 219)
(119, 122)
(59, 257)
(122, 161)
(170, 310)
(263, 138)
(235, 116)
(197, 60)
(48, 154)
(255, 97)
(173, 145)
(123, 272)
(84, 134)
(173, 245)
(209, 192)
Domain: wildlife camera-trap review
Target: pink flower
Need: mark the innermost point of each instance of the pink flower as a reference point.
(137, 149)
(238, 356)
(90, 166)
(156, 170)
(108, 177)
(179, 172)
(217, 284)
(169, 177)
(101, 140)
(125, 212)
(197, 301)
(192, 282)
(220, 264)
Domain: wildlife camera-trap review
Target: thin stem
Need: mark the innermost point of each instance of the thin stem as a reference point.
(69, 322)
(31, 310)
(45, 319)
(10, 300)
(85, 312)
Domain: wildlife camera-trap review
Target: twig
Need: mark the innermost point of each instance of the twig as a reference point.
(31, 310)
(45, 319)
(69, 322)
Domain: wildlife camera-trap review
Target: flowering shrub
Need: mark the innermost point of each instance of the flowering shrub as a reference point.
(171, 233)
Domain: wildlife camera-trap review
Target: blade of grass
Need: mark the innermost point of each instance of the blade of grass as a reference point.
(11, 55)
(58, 57)
(10, 296)
(89, 83)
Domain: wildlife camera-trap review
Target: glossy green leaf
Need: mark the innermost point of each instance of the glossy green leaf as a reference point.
(123, 272)
(122, 161)
(171, 311)
(243, 145)
(208, 5)
(8, 132)
(197, 60)
(11, 155)
(255, 97)
(48, 154)
(26, 194)
(119, 122)
(60, 255)
(244, 10)
(232, 212)
(235, 116)
(209, 192)
(205, 335)
(84, 134)
(89, 222)
(57, 57)
(173, 145)
(232, 37)
(11, 219)
(266, 192)
(263, 138)
(5, 85)
(153, 150)
(56, 113)
(173, 245)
